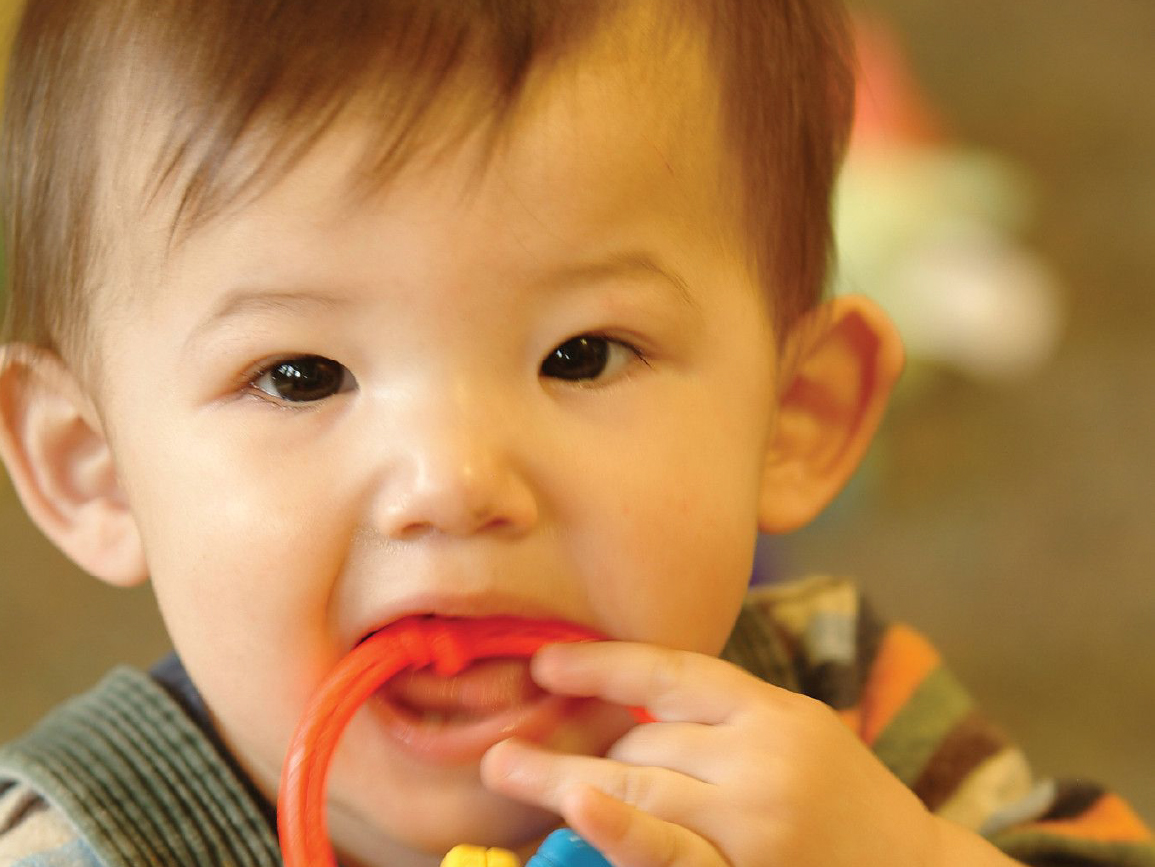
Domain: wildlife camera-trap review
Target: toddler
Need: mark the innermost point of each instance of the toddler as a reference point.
(326, 314)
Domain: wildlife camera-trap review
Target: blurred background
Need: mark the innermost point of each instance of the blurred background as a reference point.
(1000, 202)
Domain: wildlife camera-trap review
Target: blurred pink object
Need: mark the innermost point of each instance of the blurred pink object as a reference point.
(891, 106)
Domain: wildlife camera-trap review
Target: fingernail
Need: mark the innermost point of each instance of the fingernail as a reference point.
(546, 660)
(509, 773)
(503, 758)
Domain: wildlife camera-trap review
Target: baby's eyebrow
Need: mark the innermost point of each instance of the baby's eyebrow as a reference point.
(632, 264)
(247, 300)
(250, 300)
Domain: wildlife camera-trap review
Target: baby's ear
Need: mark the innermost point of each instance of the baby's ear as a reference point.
(840, 365)
(53, 444)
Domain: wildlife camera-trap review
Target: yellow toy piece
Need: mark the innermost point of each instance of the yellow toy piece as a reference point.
(478, 856)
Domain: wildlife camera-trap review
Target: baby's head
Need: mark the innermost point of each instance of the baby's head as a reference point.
(323, 314)
(115, 105)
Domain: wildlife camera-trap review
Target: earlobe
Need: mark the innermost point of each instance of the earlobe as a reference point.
(60, 463)
(841, 365)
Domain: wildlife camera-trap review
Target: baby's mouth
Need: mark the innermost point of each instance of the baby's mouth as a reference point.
(453, 720)
(481, 690)
(468, 685)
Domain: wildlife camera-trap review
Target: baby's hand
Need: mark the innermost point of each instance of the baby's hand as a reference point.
(734, 771)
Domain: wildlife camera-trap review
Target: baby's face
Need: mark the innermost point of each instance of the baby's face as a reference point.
(550, 396)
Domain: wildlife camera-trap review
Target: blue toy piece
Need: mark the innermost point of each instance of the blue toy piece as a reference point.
(564, 848)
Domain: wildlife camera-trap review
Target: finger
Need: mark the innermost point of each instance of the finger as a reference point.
(629, 837)
(544, 778)
(670, 684)
(706, 753)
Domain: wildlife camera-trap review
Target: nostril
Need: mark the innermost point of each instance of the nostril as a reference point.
(413, 531)
(444, 513)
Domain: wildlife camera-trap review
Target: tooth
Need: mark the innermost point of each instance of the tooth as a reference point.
(446, 717)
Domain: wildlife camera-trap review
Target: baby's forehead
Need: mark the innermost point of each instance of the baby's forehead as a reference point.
(590, 163)
(636, 73)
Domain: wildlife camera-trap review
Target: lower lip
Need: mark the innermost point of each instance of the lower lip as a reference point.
(464, 741)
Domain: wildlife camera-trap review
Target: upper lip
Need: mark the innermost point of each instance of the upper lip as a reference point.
(471, 605)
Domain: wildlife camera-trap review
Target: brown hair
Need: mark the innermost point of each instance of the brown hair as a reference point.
(243, 88)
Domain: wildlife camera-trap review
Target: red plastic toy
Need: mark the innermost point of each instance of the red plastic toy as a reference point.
(448, 645)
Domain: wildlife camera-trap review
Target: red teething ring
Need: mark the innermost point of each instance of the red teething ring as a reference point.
(446, 644)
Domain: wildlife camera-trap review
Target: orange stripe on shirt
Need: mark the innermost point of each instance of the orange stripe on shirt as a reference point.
(1108, 820)
(903, 661)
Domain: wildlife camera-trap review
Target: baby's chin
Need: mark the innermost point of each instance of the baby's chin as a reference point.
(425, 812)
(424, 836)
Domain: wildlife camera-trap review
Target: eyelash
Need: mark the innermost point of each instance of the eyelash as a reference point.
(253, 377)
(611, 342)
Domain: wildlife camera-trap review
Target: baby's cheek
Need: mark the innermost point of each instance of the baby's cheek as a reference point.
(683, 587)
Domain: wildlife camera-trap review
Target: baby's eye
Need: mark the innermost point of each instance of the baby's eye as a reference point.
(588, 357)
(304, 379)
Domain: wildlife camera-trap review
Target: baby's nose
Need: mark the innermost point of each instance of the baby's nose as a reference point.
(456, 473)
